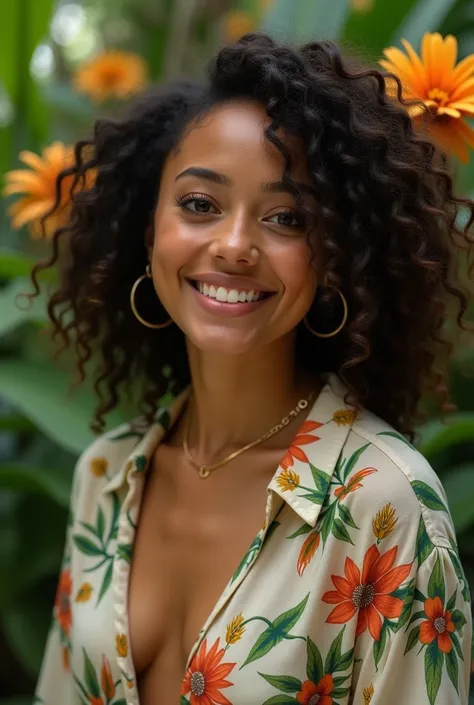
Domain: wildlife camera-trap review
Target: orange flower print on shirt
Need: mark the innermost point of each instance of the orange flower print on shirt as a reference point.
(302, 438)
(63, 601)
(439, 625)
(96, 701)
(206, 675)
(107, 679)
(311, 693)
(308, 549)
(368, 593)
(354, 483)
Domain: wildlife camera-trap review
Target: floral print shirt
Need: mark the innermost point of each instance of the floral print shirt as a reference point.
(351, 592)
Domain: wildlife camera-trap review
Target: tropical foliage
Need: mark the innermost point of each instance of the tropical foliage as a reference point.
(73, 62)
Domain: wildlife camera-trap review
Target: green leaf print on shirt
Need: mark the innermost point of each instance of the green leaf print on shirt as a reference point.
(321, 684)
(436, 633)
(427, 496)
(94, 688)
(97, 544)
(275, 632)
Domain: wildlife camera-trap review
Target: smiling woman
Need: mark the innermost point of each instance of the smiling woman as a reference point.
(275, 246)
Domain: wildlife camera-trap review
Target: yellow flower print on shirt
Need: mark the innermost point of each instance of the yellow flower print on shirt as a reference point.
(384, 522)
(121, 642)
(235, 630)
(288, 480)
(84, 593)
(99, 467)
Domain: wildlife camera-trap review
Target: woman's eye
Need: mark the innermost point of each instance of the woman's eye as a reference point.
(200, 205)
(289, 219)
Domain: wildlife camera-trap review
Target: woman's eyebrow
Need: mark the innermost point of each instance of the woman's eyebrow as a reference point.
(223, 180)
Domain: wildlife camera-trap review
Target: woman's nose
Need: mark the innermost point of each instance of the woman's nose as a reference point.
(234, 243)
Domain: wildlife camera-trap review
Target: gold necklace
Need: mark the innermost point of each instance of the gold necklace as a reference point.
(205, 470)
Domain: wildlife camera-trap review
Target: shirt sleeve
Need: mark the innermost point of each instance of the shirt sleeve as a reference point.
(55, 684)
(427, 654)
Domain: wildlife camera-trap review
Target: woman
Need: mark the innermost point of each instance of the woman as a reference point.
(275, 247)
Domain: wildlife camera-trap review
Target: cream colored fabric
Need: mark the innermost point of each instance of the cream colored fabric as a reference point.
(352, 591)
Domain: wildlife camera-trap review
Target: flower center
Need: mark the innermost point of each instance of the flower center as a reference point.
(314, 699)
(439, 96)
(440, 625)
(198, 684)
(363, 595)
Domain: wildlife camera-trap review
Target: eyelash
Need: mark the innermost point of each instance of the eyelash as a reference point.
(182, 202)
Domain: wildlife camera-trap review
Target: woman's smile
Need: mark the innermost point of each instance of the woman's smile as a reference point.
(228, 295)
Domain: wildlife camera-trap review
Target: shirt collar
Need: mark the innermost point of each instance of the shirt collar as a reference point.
(303, 476)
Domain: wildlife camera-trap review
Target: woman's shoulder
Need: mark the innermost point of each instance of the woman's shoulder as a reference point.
(402, 481)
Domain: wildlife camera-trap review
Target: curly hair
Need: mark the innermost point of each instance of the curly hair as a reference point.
(387, 216)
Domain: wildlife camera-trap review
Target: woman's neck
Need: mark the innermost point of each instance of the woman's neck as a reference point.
(236, 399)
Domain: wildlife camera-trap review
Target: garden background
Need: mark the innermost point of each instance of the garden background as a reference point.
(47, 94)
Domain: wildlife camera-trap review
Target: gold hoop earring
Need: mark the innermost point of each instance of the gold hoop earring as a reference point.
(147, 275)
(339, 328)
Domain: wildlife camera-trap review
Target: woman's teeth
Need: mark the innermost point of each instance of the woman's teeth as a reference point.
(229, 296)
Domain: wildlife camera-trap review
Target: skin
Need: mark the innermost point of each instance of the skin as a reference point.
(243, 230)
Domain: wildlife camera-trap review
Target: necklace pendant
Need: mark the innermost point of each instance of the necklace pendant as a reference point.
(203, 472)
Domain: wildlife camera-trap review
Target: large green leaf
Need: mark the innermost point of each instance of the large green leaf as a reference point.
(55, 483)
(436, 437)
(41, 393)
(25, 626)
(372, 31)
(306, 21)
(459, 487)
(425, 16)
(16, 309)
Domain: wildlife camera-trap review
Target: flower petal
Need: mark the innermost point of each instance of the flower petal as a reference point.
(343, 586)
(361, 621)
(299, 454)
(444, 642)
(325, 685)
(352, 574)
(393, 579)
(388, 606)
(332, 597)
(370, 558)
(374, 622)
(427, 632)
(342, 613)
(302, 439)
(434, 607)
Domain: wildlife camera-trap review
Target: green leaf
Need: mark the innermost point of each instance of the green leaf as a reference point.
(425, 16)
(306, 21)
(353, 460)
(346, 516)
(436, 582)
(340, 532)
(419, 614)
(418, 595)
(314, 665)
(302, 531)
(334, 654)
(280, 700)
(397, 436)
(107, 579)
(433, 670)
(452, 668)
(327, 521)
(41, 392)
(340, 693)
(458, 569)
(451, 604)
(275, 634)
(100, 525)
(458, 618)
(379, 646)
(51, 482)
(321, 479)
(14, 264)
(373, 30)
(25, 626)
(90, 677)
(407, 607)
(457, 645)
(86, 546)
(424, 545)
(287, 684)
(412, 639)
(428, 496)
(124, 551)
(316, 497)
(459, 487)
(437, 437)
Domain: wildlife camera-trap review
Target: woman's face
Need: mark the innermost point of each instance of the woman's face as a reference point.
(229, 257)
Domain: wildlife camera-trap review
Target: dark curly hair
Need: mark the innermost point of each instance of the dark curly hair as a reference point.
(387, 216)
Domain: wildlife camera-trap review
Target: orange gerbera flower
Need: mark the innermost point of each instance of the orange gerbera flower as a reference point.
(38, 186)
(323, 690)
(308, 549)
(439, 625)
(112, 74)
(354, 482)
(302, 438)
(63, 601)
(368, 594)
(206, 675)
(445, 88)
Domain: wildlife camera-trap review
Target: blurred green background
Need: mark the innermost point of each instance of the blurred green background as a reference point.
(43, 427)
